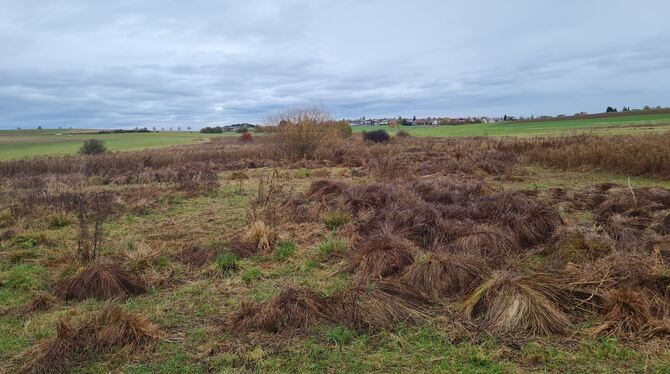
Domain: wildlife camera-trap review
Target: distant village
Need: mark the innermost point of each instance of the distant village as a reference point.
(429, 121)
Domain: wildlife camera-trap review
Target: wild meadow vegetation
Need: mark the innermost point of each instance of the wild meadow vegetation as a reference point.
(312, 250)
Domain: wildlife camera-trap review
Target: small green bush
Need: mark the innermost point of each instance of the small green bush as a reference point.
(59, 221)
(302, 173)
(332, 245)
(227, 263)
(93, 147)
(333, 220)
(251, 275)
(284, 250)
(402, 134)
(26, 243)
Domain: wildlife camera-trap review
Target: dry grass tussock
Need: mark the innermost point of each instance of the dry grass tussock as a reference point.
(379, 304)
(626, 314)
(40, 302)
(441, 275)
(292, 309)
(258, 238)
(108, 330)
(518, 303)
(381, 255)
(373, 305)
(101, 281)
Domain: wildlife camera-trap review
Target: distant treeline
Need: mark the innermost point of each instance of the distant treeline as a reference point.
(238, 127)
(120, 131)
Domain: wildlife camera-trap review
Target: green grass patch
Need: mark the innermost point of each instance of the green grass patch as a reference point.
(332, 246)
(227, 263)
(334, 220)
(285, 249)
(251, 275)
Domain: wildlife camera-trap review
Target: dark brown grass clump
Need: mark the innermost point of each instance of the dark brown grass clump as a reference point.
(381, 255)
(293, 309)
(577, 248)
(514, 303)
(379, 304)
(110, 329)
(40, 302)
(626, 314)
(195, 255)
(438, 275)
(488, 241)
(101, 281)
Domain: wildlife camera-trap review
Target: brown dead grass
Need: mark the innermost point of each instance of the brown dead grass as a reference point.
(195, 256)
(40, 302)
(110, 329)
(626, 314)
(520, 303)
(292, 309)
(441, 275)
(379, 304)
(101, 281)
(381, 255)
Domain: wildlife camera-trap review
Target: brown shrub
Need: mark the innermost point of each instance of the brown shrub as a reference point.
(304, 133)
(292, 309)
(440, 275)
(512, 302)
(101, 281)
(108, 330)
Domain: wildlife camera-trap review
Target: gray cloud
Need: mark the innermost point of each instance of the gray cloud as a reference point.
(129, 63)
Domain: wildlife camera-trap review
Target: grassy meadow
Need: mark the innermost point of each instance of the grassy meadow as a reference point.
(420, 254)
(27, 143)
(643, 123)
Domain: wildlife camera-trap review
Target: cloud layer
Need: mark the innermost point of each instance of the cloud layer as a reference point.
(129, 63)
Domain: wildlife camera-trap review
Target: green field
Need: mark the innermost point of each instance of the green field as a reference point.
(27, 143)
(613, 125)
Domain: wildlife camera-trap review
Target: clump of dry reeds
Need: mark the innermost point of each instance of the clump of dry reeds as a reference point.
(643, 155)
(292, 309)
(626, 314)
(487, 241)
(441, 275)
(577, 248)
(379, 304)
(257, 239)
(101, 281)
(518, 303)
(381, 255)
(40, 302)
(110, 329)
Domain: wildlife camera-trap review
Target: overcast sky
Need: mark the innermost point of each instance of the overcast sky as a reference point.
(127, 63)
